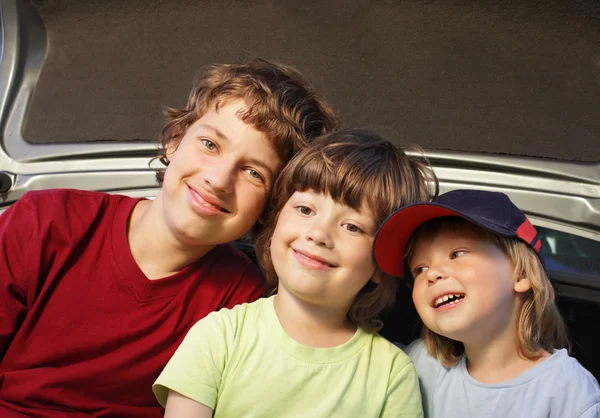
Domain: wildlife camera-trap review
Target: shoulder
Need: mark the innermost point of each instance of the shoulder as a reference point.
(223, 278)
(68, 195)
(50, 210)
(242, 312)
(65, 201)
(415, 348)
(403, 397)
(384, 346)
(429, 369)
(562, 364)
(221, 331)
(233, 258)
(196, 368)
(394, 358)
(417, 351)
(237, 273)
(573, 387)
(227, 320)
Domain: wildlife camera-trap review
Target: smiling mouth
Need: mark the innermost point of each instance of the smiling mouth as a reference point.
(447, 300)
(203, 202)
(312, 262)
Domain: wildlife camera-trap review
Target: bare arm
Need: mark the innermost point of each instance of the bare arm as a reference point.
(179, 406)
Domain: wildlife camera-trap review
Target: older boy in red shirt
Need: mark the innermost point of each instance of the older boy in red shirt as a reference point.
(97, 290)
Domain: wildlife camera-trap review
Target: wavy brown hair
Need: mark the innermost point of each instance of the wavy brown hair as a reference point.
(540, 326)
(280, 103)
(354, 167)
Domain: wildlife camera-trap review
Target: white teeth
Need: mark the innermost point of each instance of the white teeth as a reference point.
(445, 298)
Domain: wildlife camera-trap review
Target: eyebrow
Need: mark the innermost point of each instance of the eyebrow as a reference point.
(216, 131)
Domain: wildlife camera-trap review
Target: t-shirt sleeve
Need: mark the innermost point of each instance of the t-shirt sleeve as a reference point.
(20, 264)
(196, 368)
(404, 395)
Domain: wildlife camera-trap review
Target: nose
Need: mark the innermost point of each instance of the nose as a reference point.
(319, 233)
(434, 273)
(221, 176)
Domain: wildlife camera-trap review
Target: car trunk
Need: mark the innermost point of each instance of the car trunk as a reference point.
(501, 95)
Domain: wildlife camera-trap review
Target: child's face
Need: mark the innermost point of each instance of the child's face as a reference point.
(218, 179)
(321, 250)
(475, 278)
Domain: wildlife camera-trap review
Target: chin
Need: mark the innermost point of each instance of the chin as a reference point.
(308, 296)
(453, 334)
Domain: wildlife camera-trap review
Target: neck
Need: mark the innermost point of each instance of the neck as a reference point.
(156, 251)
(498, 358)
(310, 324)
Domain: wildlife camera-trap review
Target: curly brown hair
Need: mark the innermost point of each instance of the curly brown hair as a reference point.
(353, 166)
(280, 103)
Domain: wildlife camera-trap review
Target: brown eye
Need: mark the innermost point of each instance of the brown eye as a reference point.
(418, 270)
(352, 228)
(304, 210)
(457, 253)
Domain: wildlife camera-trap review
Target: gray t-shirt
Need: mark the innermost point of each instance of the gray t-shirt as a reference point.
(558, 387)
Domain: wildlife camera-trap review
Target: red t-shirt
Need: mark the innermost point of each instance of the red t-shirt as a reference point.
(83, 332)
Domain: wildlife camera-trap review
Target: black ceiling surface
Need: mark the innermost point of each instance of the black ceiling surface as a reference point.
(516, 77)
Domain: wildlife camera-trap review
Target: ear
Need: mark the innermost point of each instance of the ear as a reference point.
(522, 283)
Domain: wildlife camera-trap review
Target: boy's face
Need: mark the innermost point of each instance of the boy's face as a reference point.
(218, 178)
(321, 250)
(464, 287)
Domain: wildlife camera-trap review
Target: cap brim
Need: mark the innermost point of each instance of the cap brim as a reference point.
(389, 248)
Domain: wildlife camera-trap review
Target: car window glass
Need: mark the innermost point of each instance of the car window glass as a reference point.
(568, 253)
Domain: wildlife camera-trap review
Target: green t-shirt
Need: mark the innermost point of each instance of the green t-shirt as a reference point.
(241, 363)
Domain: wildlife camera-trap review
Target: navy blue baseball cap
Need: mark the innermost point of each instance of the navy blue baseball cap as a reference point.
(489, 210)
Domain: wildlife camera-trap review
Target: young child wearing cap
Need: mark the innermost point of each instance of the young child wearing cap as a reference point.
(493, 340)
(311, 350)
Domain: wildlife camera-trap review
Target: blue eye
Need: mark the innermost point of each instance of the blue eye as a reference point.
(255, 174)
(211, 146)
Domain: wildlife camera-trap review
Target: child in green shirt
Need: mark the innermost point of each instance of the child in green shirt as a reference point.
(311, 349)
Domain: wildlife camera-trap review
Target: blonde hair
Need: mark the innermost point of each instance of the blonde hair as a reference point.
(354, 167)
(280, 103)
(540, 326)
